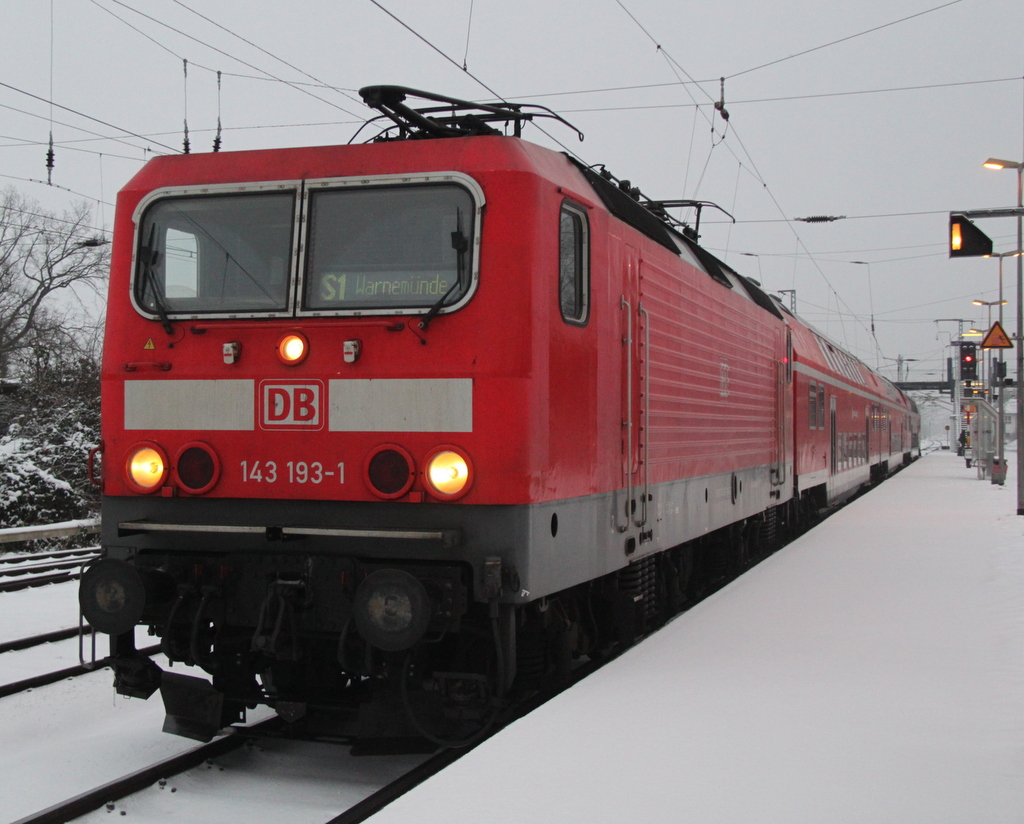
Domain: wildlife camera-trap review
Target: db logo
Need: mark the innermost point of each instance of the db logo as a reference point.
(291, 405)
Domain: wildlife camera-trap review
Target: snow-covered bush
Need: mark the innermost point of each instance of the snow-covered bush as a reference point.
(52, 423)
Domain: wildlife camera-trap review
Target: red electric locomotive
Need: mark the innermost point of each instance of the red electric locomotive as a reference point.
(395, 431)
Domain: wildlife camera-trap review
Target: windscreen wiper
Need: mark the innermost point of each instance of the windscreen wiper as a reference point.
(460, 243)
(150, 255)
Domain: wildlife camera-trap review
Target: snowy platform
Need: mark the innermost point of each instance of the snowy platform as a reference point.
(871, 671)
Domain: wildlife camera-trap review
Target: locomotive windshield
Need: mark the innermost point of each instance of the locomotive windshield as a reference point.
(374, 249)
(216, 254)
(388, 247)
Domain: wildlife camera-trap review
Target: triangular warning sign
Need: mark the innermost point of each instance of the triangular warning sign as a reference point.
(997, 338)
(149, 344)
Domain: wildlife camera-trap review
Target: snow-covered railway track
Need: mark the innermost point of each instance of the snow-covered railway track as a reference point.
(112, 791)
(52, 677)
(42, 638)
(364, 791)
(25, 575)
(42, 556)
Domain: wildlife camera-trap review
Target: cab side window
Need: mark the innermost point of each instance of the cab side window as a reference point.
(574, 264)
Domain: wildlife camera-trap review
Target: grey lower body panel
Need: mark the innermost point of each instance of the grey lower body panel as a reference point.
(544, 548)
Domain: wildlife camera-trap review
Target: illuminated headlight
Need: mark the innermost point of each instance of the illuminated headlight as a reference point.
(448, 473)
(391, 610)
(146, 467)
(293, 348)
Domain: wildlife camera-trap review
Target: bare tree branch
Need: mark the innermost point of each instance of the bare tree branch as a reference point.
(42, 258)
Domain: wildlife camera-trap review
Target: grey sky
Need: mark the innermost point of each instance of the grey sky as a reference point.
(802, 138)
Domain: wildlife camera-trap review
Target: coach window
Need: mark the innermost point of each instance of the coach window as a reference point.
(812, 407)
(574, 264)
(821, 406)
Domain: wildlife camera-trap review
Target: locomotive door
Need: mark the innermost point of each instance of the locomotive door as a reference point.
(633, 512)
(783, 378)
(636, 400)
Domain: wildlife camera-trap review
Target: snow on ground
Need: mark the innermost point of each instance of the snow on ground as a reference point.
(57, 655)
(871, 671)
(66, 738)
(277, 782)
(34, 611)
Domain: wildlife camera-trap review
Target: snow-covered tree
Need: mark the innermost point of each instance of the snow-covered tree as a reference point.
(49, 362)
(44, 258)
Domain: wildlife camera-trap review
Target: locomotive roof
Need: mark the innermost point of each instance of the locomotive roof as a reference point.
(415, 144)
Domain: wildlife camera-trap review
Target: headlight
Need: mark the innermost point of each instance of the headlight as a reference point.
(112, 596)
(391, 609)
(448, 473)
(293, 348)
(146, 467)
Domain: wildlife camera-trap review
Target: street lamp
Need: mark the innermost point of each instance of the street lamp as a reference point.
(989, 304)
(996, 163)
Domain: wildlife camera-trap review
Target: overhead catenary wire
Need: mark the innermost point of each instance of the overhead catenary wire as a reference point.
(420, 37)
(320, 83)
(77, 113)
(752, 165)
(297, 87)
(468, 73)
(55, 186)
(844, 39)
(788, 98)
(741, 164)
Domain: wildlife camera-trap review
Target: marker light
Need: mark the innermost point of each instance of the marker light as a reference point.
(146, 467)
(448, 474)
(293, 348)
(196, 468)
(388, 471)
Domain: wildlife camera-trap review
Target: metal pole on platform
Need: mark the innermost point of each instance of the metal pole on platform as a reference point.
(996, 163)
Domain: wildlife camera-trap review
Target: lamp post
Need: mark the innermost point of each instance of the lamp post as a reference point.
(871, 306)
(989, 304)
(1002, 371)
(996, 163)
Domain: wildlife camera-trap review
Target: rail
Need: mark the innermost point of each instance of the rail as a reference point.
(88, 526)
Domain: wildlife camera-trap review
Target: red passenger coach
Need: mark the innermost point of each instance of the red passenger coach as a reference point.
(393, 432)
